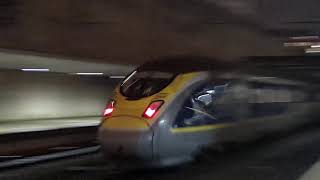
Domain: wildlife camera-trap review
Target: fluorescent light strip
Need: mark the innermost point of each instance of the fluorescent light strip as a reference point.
(304, 37)
(88, 74)
(36, 69)
(298, 44)
(117, 77)
(312, 50)
(262, 77)
(316, 46)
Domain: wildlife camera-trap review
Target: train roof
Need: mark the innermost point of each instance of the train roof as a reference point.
(187, 64)
(184, 64)
(303, 68)
(284, 61)
(306, 68)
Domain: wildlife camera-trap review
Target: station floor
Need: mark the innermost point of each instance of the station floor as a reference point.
(10, 127)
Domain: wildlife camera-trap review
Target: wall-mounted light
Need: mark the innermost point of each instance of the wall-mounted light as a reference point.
(315, 46)
(298, 44)
(90, 73)
(312, 50)
(304, 37)
(36, 69)
(117, 77)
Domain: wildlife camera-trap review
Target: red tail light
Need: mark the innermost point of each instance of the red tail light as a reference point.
(109, 109)
(152, 109)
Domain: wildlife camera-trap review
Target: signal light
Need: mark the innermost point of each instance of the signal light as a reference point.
(109, 109)
(152, 109)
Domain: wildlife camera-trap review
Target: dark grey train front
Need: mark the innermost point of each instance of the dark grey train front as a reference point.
(161, 116)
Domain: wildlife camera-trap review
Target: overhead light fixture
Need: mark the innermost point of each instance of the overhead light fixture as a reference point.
(117, 77)
(304, 37)
(36, 69)
(90, 73)
(316, 46)
(261, 77)
(298, 44)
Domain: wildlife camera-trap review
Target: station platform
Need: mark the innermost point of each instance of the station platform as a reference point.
(22, 126)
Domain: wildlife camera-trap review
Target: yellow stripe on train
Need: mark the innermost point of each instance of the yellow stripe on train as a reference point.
(200, 128)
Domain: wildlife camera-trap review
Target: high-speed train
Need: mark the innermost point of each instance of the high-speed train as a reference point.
(167, 112)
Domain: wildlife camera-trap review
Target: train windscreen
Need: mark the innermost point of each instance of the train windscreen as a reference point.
(141, 84)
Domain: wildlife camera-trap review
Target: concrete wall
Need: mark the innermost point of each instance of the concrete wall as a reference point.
(25, 95)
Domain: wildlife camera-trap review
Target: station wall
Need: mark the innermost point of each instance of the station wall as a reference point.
(25, 95)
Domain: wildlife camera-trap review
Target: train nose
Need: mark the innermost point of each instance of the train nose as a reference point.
(124, 137)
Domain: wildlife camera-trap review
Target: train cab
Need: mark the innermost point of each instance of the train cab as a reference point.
(165, 114)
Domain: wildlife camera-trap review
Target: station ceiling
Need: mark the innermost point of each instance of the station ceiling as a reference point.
(130, 32)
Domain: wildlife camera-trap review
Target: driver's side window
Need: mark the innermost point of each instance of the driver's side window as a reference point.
(210, 103)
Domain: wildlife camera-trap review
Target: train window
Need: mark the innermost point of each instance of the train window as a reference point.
(211, 103)
(267, 99)
(145, 83)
